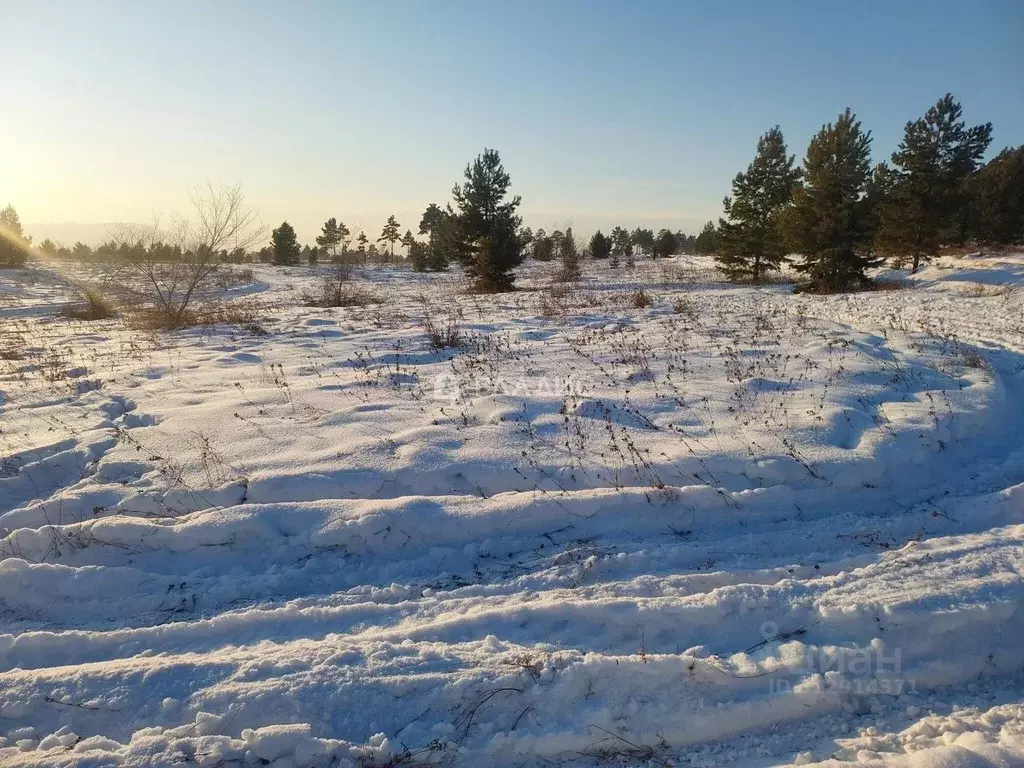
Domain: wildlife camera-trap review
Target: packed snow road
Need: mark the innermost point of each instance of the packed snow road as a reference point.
(649, 520)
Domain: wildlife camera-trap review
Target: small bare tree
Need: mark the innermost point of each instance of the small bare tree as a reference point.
(169, 270)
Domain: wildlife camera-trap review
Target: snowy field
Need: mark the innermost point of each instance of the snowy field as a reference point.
(733, 527)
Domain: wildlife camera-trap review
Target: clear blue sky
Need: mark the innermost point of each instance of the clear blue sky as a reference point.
(636, 113)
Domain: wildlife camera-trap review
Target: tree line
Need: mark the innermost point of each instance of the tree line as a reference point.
(842, 216)
(838, 213)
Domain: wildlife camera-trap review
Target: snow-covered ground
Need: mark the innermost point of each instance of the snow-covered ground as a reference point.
(735, 526)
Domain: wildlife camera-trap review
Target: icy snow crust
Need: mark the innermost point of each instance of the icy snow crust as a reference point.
(737, 526)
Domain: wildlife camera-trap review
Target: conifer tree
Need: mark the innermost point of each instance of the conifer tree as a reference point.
(488, 224)
(749, 242)
(441, 225)
(13, 243)
(333, 235)
(707, 241)
(285, 246)
(570, 258)
(829, 220)
(664, 244)
(390, 235)
(643, 239)
(997, 199)
(407, 241)
(543, 246)
(622, 246)
(362, 240)
(600, 246)
(928, 205)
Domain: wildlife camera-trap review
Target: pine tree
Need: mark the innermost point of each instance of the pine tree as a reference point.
(488, 224)
(13, 243)
(570, 255)
(643, 239)
(664, 244)
(407, 241)
(391, 234)
(928, 205)
(333, 234)
(285, 246)
(997, 199)
(543, 246)
(622, 247)
(419, 255)
(362, 240)
(600, 246)
(706, 243)
(829, 220)
(749, 242)
(440, 224)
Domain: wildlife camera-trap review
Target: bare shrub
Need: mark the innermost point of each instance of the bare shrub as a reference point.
(169, 270)
(554, 301)
(443, 335)
(243, 314)
(981, 290)
(229, 277)
(639, 299)
(685, 307)
(334, 293)
(93, 306)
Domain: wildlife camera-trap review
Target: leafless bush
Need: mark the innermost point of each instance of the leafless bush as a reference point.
(94, 305)
(167, 287)
(242, 314)
(336, 291)
(684, 307)
(554, 301)
(981, 290)
(639, 299)
(443, 335)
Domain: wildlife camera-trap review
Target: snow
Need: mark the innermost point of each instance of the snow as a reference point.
(738, 526)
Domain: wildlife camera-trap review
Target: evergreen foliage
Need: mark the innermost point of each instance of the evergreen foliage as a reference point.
(14, 245)
(390, 235)
(927, 206)
(997, 199)
(488, 224)
(829, 222)
(600, 246)
(749, 242)
(285, 245)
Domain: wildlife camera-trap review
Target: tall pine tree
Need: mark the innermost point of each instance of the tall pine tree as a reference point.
(390, 235)
(664, 244)
(570, 258)
(442, 227)
(829, 221)
(749, 242)
(600, 246)
(928, 205)
(997, 199)
(488, 224)
(333, 235)
(707, 241)
(285, 246)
